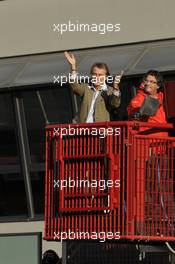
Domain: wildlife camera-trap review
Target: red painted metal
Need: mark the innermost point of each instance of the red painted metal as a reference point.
(169, 90)
(115, 185)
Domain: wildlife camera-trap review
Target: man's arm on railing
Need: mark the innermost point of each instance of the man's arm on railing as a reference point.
(135, 103)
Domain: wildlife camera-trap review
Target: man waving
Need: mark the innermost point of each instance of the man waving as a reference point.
(97, 98)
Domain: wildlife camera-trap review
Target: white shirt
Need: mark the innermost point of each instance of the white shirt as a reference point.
(90, 117)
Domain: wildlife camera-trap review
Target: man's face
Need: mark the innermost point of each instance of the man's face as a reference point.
(98, 77)
(151, 85)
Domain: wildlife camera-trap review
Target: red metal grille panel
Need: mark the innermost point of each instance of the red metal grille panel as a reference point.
(126, 211)
(154, 160)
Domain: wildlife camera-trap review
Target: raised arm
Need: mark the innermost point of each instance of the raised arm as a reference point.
(115, 97)
(75, 86)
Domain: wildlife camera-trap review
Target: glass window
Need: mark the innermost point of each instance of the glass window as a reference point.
(51, 105)
(12, 190)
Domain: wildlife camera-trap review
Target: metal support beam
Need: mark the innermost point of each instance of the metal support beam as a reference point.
(24, 150)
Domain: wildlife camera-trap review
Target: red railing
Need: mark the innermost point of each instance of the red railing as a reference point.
(113, 177)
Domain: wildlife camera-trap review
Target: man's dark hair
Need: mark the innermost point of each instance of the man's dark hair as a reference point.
(157, 75)
(100, 65)
(51, 257)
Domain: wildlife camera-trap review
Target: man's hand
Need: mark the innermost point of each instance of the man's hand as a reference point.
(117, 80)
(71, 60)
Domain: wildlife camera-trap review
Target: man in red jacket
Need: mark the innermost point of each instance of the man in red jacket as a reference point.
(149, 181)
(150, 86)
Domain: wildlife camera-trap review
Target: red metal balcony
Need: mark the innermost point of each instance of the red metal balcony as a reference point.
(112, 179)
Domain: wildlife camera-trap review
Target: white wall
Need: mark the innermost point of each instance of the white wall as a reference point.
(26, 27)
(27, 227)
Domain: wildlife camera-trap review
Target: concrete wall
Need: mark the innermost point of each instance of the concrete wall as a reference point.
(26, 27)
(27, 227)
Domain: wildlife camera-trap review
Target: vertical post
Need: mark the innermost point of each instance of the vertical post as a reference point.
(24, 150)
(64, 252)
